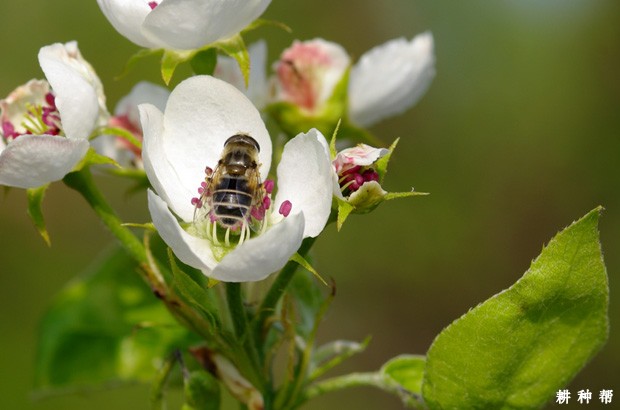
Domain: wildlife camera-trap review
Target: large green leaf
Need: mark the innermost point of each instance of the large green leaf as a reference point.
(521, 346)
(105, 327)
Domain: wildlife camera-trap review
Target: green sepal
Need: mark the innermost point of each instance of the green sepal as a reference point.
(105, 327)
(92, 157)
(518, 348)
(204, 61)
(170, 60)
(395, 195)
(333, 151)
(119, 132)
(264, 22)
(149, 226)
(304, 263)
(35, 202)
(202, 391)
(235, 47)
(141, 54)
(381, 164)
(344, 210)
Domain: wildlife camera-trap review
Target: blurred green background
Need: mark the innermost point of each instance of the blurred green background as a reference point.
(517, 137)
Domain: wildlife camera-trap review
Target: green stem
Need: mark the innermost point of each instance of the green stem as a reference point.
(82, 182)
(268, 306)
(242, 329)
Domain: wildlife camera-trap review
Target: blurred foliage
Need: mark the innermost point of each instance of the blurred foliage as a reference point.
(517, 136)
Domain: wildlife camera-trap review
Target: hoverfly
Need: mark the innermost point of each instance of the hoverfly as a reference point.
(232, 195)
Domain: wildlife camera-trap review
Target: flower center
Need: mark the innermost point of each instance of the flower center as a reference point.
(230, 210)
(352, 179)
(36, 119)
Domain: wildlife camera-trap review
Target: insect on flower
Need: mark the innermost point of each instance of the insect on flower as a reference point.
(232, 196)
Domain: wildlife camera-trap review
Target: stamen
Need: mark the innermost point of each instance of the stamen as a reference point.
(268, 185)
(208, 230)
(196, 202)
(152, 4)
(227, 237)
(241, 234)
(266, 202)
(214, 239)
(285, 208)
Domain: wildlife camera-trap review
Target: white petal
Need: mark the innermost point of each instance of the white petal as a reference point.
(77, 88)
(158, 169)
(127, 17)
(361, 154)
(227, 69)
(143, 92)
(190, 24)
(305, 178)
(390, 78)
(260, 256)
(201, 114)
(30, 161)
(191, 250)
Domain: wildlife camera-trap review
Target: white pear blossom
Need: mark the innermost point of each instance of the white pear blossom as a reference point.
(45, 129)
(200, 115)
(355, 171)
(180, 24)
(227, 69)
(308, 72)
(387, 80)
(390, 78)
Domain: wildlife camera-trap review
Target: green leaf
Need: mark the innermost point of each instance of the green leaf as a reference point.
(202, 391)
(308, 300)
(407, 371)
(105, 327)
(204, 61)
(235, 47)
(521, 346)
(35, 201)
(200, 298)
